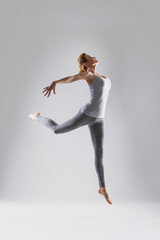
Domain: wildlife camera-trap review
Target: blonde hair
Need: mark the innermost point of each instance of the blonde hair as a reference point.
(80, 61)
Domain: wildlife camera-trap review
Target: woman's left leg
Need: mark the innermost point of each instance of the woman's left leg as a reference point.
(78, 120)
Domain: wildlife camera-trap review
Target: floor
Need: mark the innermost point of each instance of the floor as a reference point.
(46, 221)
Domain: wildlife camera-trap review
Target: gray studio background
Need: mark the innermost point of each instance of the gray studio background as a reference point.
(40, 42)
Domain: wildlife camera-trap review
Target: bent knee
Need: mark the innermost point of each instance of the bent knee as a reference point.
(56, 130)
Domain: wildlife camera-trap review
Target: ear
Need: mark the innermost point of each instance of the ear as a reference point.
(84, 65)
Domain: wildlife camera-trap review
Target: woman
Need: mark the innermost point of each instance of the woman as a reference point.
(91, 114)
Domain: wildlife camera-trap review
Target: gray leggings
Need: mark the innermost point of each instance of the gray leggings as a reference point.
(96, 128)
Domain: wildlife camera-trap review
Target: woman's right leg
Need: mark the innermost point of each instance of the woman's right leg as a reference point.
(79, 120)
(97, 136)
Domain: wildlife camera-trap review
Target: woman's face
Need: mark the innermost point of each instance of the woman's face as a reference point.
(91, 60)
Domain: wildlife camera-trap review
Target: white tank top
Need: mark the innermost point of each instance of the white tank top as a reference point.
(99, 90)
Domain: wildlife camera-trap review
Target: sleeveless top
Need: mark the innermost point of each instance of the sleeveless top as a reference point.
(99, 89)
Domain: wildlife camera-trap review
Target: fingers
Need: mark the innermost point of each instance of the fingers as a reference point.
(45, 87)
(54, 91)
(48, 91)
(44, 91)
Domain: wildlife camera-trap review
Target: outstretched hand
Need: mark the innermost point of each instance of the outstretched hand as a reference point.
(49, 89)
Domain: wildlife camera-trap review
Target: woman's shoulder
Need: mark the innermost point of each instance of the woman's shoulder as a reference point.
(101, 75)
(104, 76)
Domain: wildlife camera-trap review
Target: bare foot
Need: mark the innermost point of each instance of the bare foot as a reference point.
(34, 116)
(103, 192)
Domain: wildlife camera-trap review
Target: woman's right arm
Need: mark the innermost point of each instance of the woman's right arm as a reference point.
(73, 78)
(69, 79)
